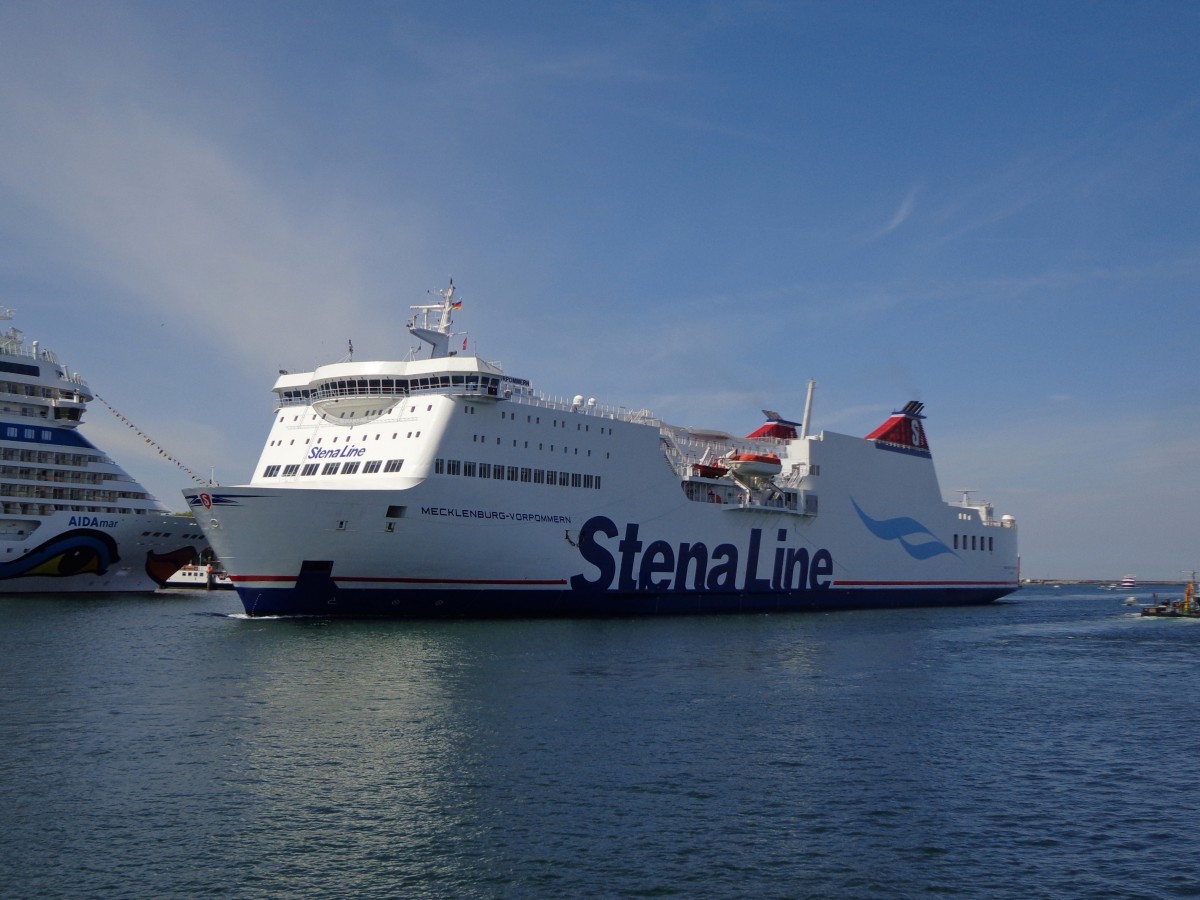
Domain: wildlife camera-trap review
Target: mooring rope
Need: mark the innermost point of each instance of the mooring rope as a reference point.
(153, 443)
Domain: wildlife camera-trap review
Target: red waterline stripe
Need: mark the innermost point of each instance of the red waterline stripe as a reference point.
(363, 580)
(926, 584)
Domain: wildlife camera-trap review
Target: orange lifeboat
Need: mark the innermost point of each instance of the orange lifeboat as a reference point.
(757, 464)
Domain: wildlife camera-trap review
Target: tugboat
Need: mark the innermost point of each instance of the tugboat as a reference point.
(1187, 608)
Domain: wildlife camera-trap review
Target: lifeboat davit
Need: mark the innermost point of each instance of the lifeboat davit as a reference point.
(756, 464)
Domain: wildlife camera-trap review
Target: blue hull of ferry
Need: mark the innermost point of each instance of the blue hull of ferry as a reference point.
(456, 604)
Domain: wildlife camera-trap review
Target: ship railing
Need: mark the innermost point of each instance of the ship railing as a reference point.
(795, 477)
(679, 462)
(987, 513)
(1002, 522)
(588, 408)
(12, 344)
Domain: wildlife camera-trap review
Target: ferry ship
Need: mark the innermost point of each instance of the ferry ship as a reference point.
(441, 486)
(71, 519)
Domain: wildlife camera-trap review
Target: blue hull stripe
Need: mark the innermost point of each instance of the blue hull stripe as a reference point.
(441, 604)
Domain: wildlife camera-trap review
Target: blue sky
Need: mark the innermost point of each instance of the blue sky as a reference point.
(685, 206)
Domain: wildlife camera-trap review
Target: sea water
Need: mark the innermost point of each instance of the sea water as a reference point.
(164, 746)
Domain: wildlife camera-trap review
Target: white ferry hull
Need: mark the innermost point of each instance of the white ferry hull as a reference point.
(453, 552)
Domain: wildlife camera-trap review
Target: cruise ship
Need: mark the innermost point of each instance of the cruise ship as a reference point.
(71, 519)
(439, 485)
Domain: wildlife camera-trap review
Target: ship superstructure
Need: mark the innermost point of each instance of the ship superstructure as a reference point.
(439, 485)
(71, 519)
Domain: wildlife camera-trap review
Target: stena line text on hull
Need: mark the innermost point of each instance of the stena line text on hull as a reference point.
(656, 568)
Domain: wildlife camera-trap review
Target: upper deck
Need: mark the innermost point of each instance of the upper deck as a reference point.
(347, 392)
(34, 384)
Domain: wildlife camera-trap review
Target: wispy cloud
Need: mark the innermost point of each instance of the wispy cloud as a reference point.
(164, 214)
(907, 205)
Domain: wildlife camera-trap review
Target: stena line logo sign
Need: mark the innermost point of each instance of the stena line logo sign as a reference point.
(635, 564)
(336, 453)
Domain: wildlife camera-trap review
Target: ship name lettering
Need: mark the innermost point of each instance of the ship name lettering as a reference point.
(691, 566)
(91, 522)
(336, 452)
(495, 514)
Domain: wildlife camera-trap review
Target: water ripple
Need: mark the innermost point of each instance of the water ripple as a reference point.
(173, 749)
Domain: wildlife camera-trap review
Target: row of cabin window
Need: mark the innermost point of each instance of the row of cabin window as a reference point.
(49, 456)
(367, 386)
(537, 420)
(28, 434)
(333, 468)
(46, 509)
(32, 390)
(527, 474)
(968, 542)
(68, 493)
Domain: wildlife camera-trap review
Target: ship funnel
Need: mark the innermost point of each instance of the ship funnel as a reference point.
(777, 427)
(903, 430)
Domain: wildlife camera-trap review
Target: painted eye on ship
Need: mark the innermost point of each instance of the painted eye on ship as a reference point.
(70, 562)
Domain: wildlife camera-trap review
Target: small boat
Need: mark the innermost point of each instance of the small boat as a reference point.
(208, 577)
(763, 465)
(1187, 608)
(708, 471)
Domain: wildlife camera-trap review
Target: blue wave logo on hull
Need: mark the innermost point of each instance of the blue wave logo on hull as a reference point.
(900, 529)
